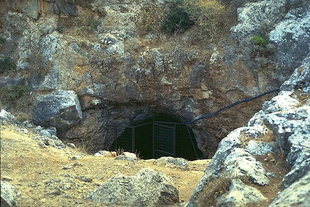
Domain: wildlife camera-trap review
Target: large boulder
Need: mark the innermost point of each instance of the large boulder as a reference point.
(291, 36)
(240, 195)
(60, 109)
(147, 188)
(256, 17)
(8, 195)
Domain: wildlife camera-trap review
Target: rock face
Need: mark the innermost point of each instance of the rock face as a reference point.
(97, 49)
(286, 23)
(282, 126)
(147, 188)
(60, 109)
(8, 195)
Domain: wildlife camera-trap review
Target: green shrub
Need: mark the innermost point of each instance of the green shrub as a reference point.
(177, 19)
(259, 40)
(92, 23)
(7, 64)
(60, 29)
(13, 94)
(2, 40)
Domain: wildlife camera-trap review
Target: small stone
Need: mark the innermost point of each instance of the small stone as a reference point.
(67, 167)
(102, 153)
(42, 145)
(173, 162)
(127, 156)
(84, 179)
(75, 157)
(71, 145)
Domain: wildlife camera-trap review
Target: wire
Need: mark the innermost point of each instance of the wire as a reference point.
(209, 115)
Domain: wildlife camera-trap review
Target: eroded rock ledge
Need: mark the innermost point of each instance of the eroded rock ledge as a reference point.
(281, 130)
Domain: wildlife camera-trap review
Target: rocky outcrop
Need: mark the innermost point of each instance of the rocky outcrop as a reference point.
(60, 109)
(9, 195)
(147, 188)
(284, 23)
(282, 126)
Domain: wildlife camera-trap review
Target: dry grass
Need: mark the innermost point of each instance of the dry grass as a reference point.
(29, 167)
(214, 189)
(151, 19)
(274, 163)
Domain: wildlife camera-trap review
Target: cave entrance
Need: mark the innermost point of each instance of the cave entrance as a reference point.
(158, 137)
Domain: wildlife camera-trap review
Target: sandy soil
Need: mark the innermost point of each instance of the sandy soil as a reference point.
(40, 176)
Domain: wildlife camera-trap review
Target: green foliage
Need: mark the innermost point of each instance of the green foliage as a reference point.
(2, 40)
(7, 64)
(259, 40)
(60, 29)
(177, 19)
(14, 94)
(92, 23)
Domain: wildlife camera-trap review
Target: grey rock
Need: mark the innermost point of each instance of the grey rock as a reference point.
(60, 109)
(84, 179)
(127, 156)
(173, 162)
(147, 188)
(240, 163)
(297, 194)
(102, 153)
(292, 36)
(9, 195)
(300, 79)
(52, 130)
(284, 124)
(6, 117)
(65, 8)
(44, 133)
(255, 17)
(297, 172)
(240, 195)
(11, 81)
(261, 148)
(226, 146)
(71, 145)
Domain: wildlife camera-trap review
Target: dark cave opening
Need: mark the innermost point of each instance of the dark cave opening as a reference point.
(158, 136)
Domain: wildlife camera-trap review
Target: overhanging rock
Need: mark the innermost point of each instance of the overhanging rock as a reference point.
(60, 109)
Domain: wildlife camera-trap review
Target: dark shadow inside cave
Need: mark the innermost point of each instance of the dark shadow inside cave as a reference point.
(158, 136)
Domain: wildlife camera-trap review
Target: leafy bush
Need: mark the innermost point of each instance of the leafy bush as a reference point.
(2, 40)
(92, 23)
(259, 40)
(177, 19)
(14, 94)
(7, 64)
(60, 29)
(151, 18)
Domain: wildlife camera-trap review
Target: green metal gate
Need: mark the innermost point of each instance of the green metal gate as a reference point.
(164, 140)
(157, 139)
